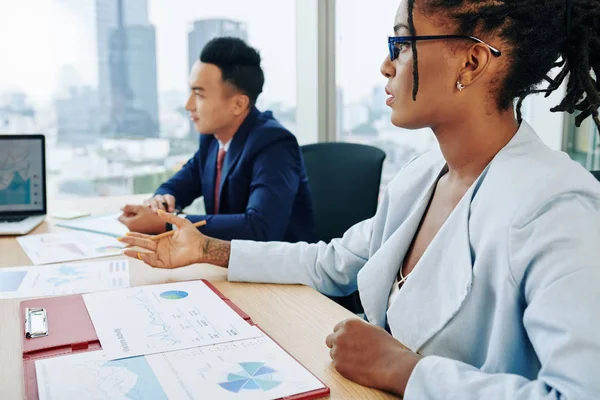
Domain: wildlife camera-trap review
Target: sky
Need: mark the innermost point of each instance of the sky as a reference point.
(36, 40)
(48, 44)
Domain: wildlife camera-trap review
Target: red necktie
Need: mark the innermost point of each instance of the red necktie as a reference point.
(220, 159)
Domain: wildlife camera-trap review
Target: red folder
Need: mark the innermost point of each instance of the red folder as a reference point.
(70, 331)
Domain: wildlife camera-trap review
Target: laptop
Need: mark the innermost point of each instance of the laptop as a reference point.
(22, 183)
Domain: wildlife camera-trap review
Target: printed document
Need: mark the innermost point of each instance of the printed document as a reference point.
(254, 369)
(63, 279)
(159, 318)
(49, 248)
(103, 224)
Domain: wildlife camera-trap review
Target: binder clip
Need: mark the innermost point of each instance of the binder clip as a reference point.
(36, 323)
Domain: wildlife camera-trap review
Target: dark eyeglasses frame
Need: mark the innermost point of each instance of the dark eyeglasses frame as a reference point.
(395, 52)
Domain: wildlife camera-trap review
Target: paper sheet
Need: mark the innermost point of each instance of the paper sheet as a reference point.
(104, 225)
(158, 318)
(254, 369)
(62, 279)
(59, 247)
(92, 376)
(70, 214)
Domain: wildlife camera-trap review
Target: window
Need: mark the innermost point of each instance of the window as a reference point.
(106, 82)
(583, 144)
(362, 29)
(362, 116)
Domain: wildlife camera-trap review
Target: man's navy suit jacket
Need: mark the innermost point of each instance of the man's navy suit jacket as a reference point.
(264, 193)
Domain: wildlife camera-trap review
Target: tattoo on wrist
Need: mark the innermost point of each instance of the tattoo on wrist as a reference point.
(216, 252)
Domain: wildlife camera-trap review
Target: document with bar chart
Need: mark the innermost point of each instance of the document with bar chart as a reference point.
(158, 318)
(58, 247)
(63, 279)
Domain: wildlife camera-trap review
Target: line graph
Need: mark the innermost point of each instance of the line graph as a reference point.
(163, 334)
(18, 191)
(188, 314)
(91, 376)
(146, 386)
(15, 179)
(14, 162)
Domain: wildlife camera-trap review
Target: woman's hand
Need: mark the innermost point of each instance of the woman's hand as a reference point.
(186, 246)
(370, 356)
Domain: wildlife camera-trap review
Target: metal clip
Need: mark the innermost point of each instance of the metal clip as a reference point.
(36, 323)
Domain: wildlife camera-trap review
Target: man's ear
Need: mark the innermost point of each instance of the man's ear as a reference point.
(241, 103)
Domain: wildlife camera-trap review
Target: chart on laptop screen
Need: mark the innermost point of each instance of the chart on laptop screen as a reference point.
(21, 175)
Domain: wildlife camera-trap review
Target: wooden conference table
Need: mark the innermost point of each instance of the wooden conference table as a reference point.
(298, 317)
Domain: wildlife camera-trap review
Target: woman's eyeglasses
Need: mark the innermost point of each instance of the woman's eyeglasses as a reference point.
(395, 43)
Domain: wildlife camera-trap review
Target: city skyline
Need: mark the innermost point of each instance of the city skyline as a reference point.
(126, 55)
(60, 49)
(63, 37)
(125, 101)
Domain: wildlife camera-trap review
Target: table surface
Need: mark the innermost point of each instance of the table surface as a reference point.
(297, 317)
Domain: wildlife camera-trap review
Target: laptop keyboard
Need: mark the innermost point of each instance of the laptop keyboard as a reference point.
(6, 219)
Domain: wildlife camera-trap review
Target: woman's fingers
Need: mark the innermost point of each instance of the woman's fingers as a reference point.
(139, 242)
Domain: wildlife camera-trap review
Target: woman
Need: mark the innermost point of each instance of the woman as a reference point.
(483, 259)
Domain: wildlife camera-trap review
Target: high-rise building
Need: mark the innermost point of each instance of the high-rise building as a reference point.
(17, 115)
(135, 12)
(76, 116)
(127, 75)
(106, 22)
(203, 31)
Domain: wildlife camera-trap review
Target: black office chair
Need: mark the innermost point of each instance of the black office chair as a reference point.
(596, 174)
(344, 180)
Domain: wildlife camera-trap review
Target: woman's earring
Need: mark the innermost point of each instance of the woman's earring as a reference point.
(460, 86)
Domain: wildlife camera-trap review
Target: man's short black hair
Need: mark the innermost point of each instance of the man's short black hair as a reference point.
(239, 64)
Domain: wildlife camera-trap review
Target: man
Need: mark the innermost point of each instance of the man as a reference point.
(249, 168)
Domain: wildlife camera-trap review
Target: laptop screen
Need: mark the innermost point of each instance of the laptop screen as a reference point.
(22, 174)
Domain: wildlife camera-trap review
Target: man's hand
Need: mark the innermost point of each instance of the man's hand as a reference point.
(370, 356)
(158, 203)
(142, 219)
(186, 246)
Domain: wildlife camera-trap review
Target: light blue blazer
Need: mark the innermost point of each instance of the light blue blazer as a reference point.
(505, 302)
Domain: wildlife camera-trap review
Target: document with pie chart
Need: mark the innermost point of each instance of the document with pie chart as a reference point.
(154, 319)
(253, 369)
(256, 369)
(60, 247)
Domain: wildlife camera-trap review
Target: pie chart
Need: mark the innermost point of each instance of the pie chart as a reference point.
(174, 295)
(252, 376)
